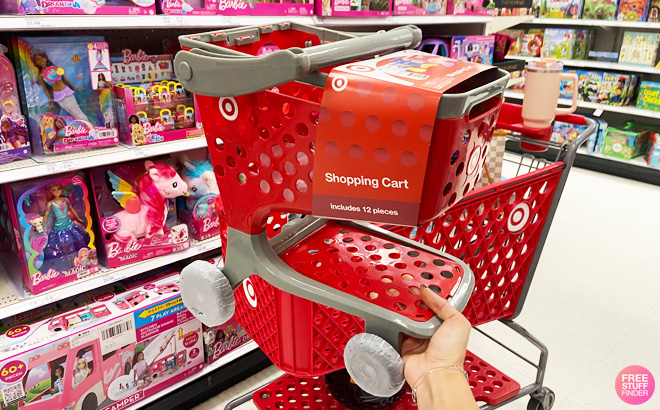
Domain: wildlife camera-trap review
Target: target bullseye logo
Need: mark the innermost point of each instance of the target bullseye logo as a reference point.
(250, 293)
(360, 68)
(339, 83)
(473, 162)
(228, 108)
(519, 217)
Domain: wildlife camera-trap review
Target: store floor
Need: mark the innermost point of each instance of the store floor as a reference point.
(595, 299)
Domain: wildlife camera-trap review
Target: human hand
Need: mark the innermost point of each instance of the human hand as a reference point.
(447, 346)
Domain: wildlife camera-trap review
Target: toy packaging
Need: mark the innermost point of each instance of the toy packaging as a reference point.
(558, 43)
(267, 8)
(108, 354)
(639, 48)
(67, 93)
(14, 138)
(517, 36)
(625, 144)
(198, 210)
(188, 7)
(564, 132)
(653, 153)
(632, 10)
(599, 9)
(353, 7)
(532, 43)
(220, 340)
(631, 91)
(654, 11)
(648, 97)
(610, 57)
(477, 49)
(121, 7)
(568, 86)
(595, 142)
(589, 85)
(582, 43)
(152, 112)
(612, 89)
(53, 232)
(490, 7)
(419, 7)
(560, 9)
(134, 205)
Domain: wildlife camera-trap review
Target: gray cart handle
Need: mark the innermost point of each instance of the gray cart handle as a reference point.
(214, 71)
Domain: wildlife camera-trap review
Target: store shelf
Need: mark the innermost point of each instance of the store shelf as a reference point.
(11, 302)
(29, 168)
(637, 112)
(598, 64)
(596, 23)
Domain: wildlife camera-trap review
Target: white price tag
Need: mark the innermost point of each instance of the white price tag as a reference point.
(598, 112)
(54, 168)
(32, 22)
(139, 152)
(69, 165)
(203, 247)
(109, 279)
(174, 21)
(226, 20)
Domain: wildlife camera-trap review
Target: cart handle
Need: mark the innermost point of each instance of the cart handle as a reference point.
(218, 72)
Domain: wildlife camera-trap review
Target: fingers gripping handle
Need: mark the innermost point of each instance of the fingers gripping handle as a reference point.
(224, 75)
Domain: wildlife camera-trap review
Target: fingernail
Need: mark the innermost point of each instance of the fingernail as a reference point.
(423, 286)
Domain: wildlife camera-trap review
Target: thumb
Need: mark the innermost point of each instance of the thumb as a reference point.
(439, 305)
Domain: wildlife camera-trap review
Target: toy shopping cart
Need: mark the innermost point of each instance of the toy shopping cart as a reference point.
(324, 294)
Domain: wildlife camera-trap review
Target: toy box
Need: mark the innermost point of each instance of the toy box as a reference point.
(66, 93)
(612, 89)
(599, 9)
(589, 85)
(560, 9)
(648, 97)
(631, 90)
(595, 141)
(653, 153)
(568, 86)
(582, 43)
(122, 7)
(477, 49)
(268, 8)
(490, 7)
(198, 210)
(14, 139)
(532, 43)
(220, 340)
(611, 57)
(564, 132)
(639, 48)
(625, 144)
(632, 10)
(654, 11)
(558, 43)
(101, 356)
(353, 7)
(53, 232)
(419, 7)
(135, 210)
(438, 46)
(152, 112)
(517, 36)
(188, 7)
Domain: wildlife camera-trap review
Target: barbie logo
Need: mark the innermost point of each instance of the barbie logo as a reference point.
(173, 4)
(116, 248)
(150, 129)
(38, 277)
(233, 343)
(232, 4)
(138, 57)
(46, 4)
(75, 131)
(210, 223)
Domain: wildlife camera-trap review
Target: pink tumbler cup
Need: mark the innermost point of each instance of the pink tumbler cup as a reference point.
(539, 106)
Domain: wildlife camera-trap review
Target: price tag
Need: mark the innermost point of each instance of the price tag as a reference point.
(69, 165)
(203, 247)
(598, 112)
(139, 152)
(174, 21)
(226, 20)
(32, 22)
(54, 168)
(109, 279)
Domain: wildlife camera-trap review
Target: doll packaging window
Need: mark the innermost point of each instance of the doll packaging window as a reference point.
(135, 206)
(490, 7)
(266, 7)
(198, 210)
(109, 353)
(117, 7)
(14, 138)
(151, 106)
(66, 88)
(53, 232)
(353, 7)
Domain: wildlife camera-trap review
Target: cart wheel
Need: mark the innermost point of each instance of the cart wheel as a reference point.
(374, 365)
(207, 293)
(544, 400)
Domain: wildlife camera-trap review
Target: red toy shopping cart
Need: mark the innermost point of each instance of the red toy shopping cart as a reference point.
(324, 294)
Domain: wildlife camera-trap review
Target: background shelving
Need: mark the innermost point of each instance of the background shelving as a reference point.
(601, 65)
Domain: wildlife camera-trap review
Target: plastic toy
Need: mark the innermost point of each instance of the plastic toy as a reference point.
(121, 7)
(558, 43)
(639, 48)
(632, 10)
(649, 96)
(132, 201)
(599, 9)
(14, 139)
(353, 7)
(78, 317)
(52, 218)
(198, 210)
(419, 7)
(66, 109)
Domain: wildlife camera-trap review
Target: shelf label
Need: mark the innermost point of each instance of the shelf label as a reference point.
(598, 112)
(62, 166)
(36, 22)
(174, 21)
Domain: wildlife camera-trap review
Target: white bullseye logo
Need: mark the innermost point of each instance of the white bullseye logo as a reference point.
(250, 293)
(339, 83)
(519, 217)
(228, 108)
(473, 162)
(360, 68)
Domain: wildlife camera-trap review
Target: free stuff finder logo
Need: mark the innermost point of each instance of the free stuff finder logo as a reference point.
(635, 385)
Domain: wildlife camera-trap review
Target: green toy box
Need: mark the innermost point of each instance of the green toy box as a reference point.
(648, 97)
(625, 144)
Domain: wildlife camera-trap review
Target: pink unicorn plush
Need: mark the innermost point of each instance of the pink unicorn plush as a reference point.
(145, 208)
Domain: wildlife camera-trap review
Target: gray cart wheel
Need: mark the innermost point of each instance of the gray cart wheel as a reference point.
(542, 401)
(374, 365)
(207, 293)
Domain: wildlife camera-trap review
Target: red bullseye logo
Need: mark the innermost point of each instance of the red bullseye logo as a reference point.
(250, 293)
(519, 217)
(339, 83)
(228, 108)
(360, 68)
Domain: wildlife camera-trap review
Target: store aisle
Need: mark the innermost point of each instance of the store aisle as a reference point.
(594, 300)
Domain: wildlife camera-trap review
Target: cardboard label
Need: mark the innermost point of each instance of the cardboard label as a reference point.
(375, 126)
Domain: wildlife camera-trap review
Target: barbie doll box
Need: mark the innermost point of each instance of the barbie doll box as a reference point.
(220, 340)
(66, 89)
(107, 354)
(353, 7)
(266, 7)
(53, 241)
(134, 204)
(125, 7)
(14, 140)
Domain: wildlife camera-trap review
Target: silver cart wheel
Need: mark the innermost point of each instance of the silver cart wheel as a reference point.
(374, 365)
(544, 400)
(207, 293)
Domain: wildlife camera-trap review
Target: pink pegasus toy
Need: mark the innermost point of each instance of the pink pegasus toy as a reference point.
(145, 208)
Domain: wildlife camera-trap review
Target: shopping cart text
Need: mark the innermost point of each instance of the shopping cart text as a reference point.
(374, 183)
